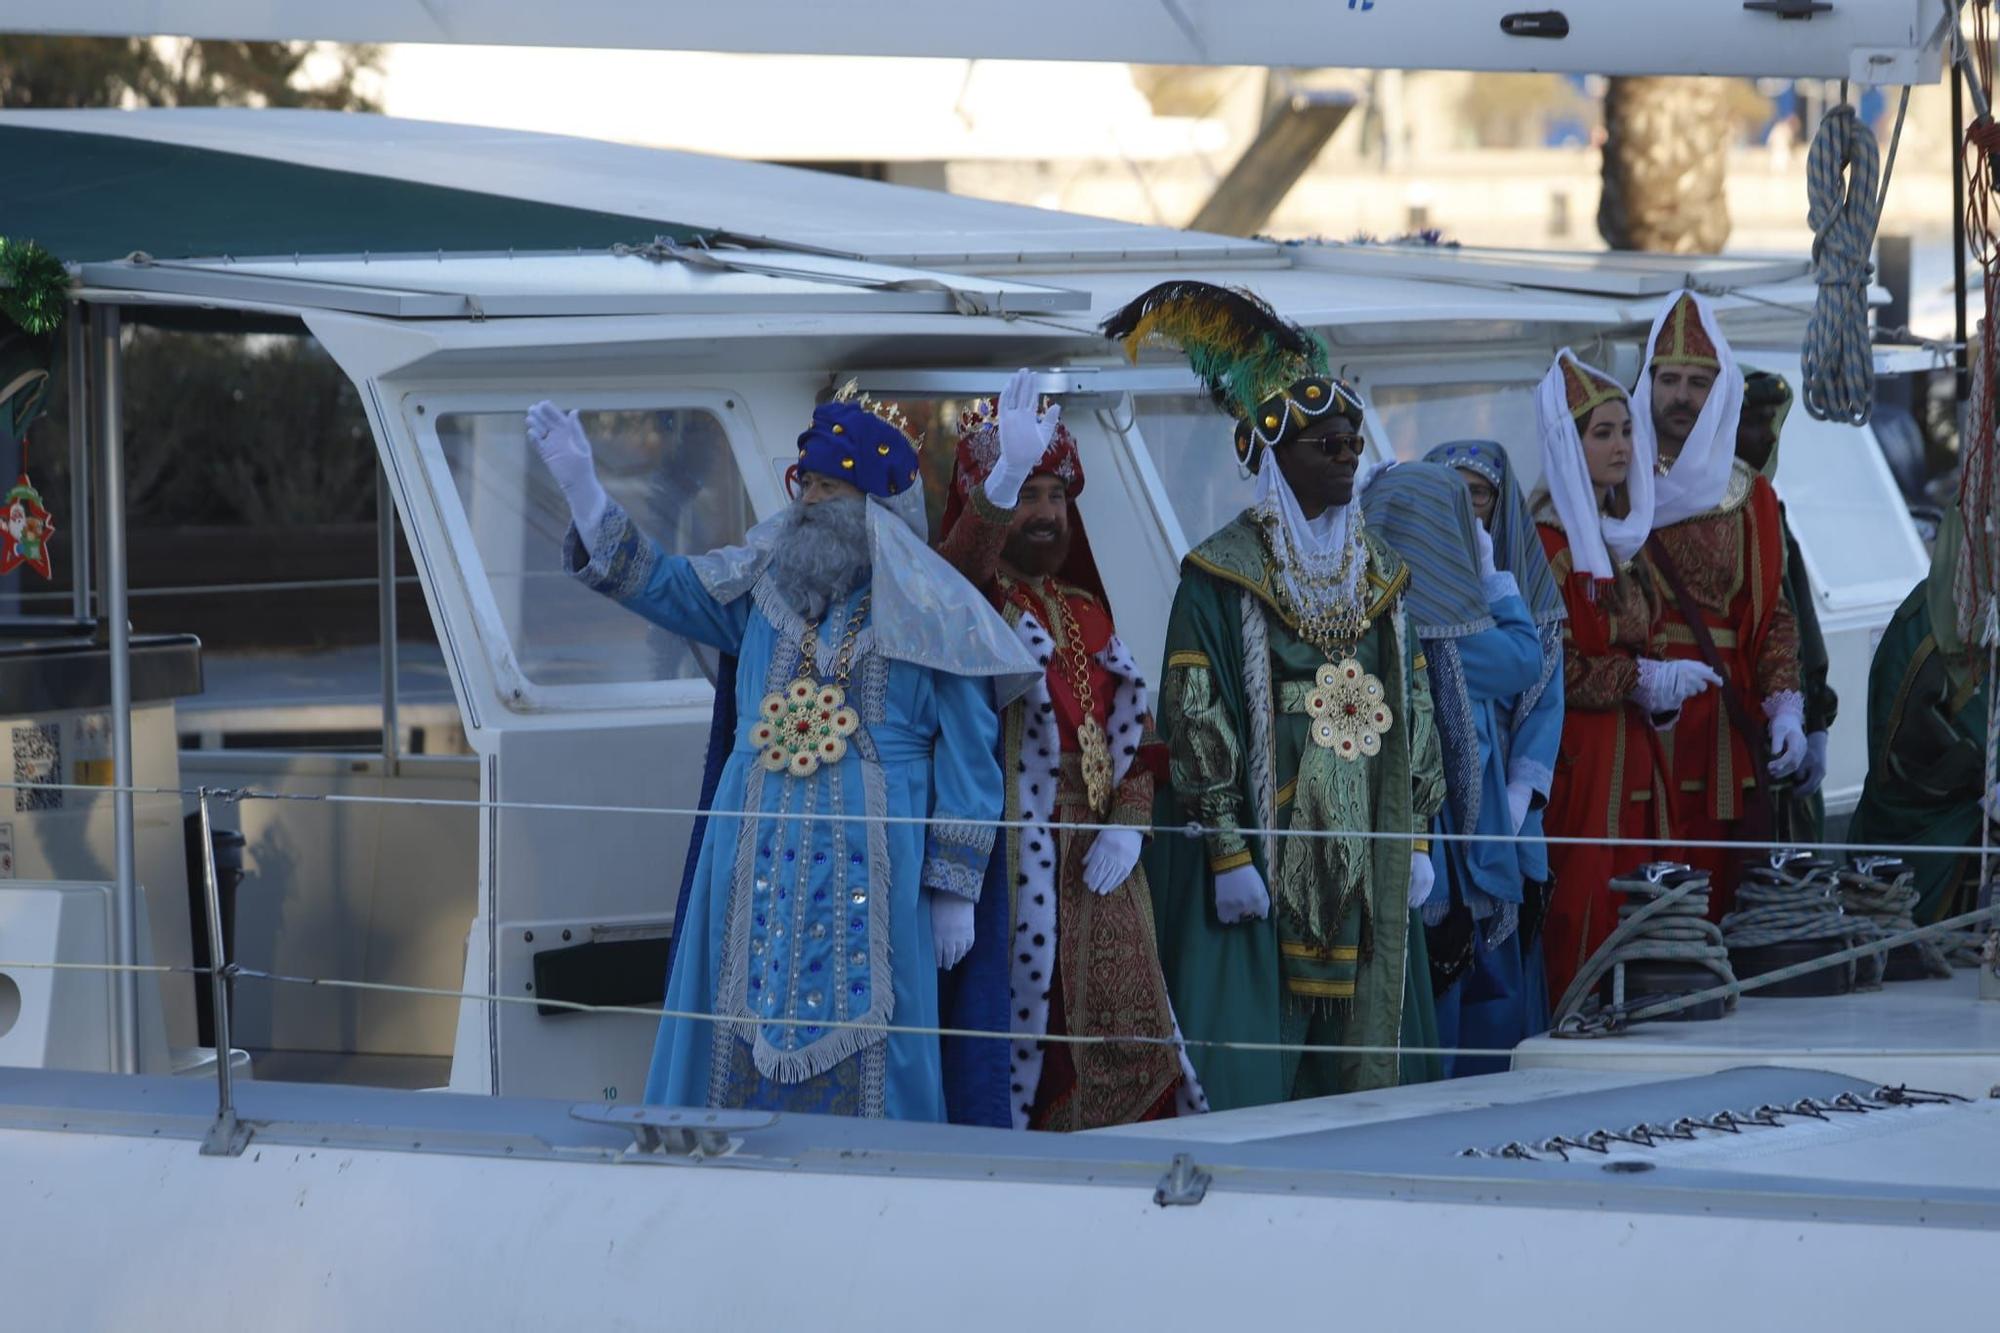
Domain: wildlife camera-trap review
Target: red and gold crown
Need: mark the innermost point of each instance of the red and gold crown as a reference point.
(1585, 388)
(979, 449)
(1683, 341)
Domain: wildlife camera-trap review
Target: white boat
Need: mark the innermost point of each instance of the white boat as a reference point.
(1764, 1164)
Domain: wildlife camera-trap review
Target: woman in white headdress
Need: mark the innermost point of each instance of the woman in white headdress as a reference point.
(1594, 511)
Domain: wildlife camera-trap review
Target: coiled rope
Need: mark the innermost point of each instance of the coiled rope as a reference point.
(1659, 921)
(1786, 904)
(1880, 898)
(1843, 170)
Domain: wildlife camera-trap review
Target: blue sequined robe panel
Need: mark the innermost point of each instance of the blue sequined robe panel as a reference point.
(811, 916)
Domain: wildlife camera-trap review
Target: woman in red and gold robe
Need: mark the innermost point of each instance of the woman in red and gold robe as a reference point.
(1594, 512)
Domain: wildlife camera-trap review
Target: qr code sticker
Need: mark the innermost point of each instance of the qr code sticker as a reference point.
(37, 758)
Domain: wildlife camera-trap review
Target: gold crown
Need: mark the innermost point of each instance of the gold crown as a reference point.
(891, 413)
(984, 414)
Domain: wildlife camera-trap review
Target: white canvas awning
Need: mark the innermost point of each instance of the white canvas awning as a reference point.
(1872, 41)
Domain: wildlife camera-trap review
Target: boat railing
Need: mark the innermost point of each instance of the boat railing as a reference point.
(229, 1134)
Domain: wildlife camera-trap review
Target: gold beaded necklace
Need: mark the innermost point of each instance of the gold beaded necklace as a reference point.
(1334, 619)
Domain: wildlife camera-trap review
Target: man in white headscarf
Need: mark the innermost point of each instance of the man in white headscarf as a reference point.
(1718, 555)
(1295, 702)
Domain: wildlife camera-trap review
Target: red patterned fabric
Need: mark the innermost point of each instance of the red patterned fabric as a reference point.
(1683, 341)
(979, 449)
(1733, 561)
(1610, 779)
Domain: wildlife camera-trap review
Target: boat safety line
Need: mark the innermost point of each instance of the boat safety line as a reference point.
(237, 972)
(1190, 830)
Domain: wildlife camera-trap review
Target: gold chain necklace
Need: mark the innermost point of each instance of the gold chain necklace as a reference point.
(807, 724)
(1093, 744)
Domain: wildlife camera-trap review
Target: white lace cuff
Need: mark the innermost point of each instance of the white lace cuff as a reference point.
(1786, 703)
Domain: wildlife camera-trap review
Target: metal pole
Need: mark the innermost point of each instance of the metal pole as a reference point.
(1963, 385)
(228, 1135)
(113, 603)
(81, 556)
(385, 574)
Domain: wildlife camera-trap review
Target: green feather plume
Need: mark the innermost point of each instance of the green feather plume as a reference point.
(1244, 352)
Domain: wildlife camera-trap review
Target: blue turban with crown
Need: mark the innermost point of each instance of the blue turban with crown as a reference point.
(861, 442)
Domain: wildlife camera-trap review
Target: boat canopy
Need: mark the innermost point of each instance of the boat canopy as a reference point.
(1870, 41)
(205, 182)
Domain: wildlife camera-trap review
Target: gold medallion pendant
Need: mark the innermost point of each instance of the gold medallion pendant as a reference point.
(805, 725)
(1096, 763)
(1349, 710)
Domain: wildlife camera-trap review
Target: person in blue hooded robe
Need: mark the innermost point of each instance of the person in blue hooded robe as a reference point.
(1501, 1005)
(1483, 652)
(867, 677)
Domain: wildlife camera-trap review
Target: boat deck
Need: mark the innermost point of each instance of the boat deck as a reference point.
(1937, 1035)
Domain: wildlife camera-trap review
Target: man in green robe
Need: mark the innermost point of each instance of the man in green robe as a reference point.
(1927, 736)
(1294, 703)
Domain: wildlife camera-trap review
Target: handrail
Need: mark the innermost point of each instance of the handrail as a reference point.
(1193, 829)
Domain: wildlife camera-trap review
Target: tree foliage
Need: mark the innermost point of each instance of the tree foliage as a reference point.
(250, 431)
(55, 73)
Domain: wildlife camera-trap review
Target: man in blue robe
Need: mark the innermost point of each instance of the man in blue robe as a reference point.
(868, 673)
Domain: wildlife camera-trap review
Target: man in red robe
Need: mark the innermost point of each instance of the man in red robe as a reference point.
(1079, 748)
(1718, 557)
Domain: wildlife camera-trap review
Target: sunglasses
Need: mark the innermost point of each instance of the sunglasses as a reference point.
(1333, 446)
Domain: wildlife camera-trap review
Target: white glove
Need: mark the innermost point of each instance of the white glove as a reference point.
(1665, 686)
(1484, 541)
(1787, 710)
(1240, 895)
(1108, 863)
(951, 928)
(1422, 876)
(1813, 771)
(1024, 438)
(1520, 799)
(565, 450)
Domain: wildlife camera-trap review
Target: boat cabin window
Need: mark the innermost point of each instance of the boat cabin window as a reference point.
(1189, 443)
(1419, 417)
(672, 470)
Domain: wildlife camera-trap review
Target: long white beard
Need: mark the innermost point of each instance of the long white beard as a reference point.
(822, 555)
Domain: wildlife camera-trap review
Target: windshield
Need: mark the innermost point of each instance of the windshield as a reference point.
(1418, 418)
(672, 470)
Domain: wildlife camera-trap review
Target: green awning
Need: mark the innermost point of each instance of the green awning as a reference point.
(96, 196)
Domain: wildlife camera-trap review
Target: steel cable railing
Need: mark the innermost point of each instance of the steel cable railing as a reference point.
(228, 1134)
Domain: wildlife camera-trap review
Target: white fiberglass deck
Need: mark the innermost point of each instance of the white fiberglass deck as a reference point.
(1926, 1034)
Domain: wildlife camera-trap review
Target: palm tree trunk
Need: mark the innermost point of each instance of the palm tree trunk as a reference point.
(1665, 164)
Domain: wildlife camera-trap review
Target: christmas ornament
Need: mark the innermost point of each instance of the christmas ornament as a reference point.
(25, 528)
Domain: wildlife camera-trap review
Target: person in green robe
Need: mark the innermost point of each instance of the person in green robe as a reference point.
(1927, 735)
(1297, 718)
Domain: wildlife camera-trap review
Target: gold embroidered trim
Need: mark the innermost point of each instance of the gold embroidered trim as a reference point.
(1321, 990)
(1187, 657)
(1925, 648)
(1263, 591)
(1230, 862)
(983, 505)
(1421, 846)
(1677, 633)
(1332, 953)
